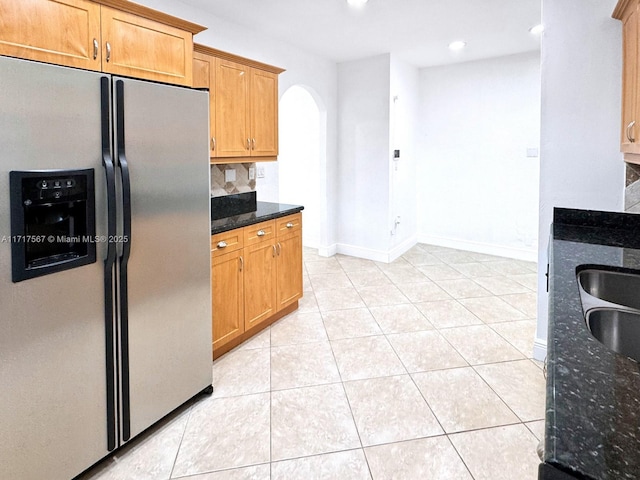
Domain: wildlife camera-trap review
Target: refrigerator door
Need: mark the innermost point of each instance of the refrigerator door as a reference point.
(162, 140)
(52, 328)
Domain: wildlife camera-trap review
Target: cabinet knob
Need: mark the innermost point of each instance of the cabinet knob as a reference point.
(108, 52)
(289, 225)
(95, 48)
(629, 127)
(260, 233)
(222, 244)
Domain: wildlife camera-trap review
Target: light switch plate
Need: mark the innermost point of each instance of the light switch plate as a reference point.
(260, 172)
(230, 175)
(533, 153)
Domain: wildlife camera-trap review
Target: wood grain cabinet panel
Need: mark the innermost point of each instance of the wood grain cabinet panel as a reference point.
(227, 294)
(143, 48)
(259, 283)
(264, 113)
(232, 109)
(289, 262)
(63, 32)
(204, 76)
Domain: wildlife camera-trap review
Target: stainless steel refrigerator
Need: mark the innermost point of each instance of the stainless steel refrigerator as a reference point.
(105, 301)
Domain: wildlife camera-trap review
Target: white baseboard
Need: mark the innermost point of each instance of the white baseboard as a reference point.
(539, 349)
(376, 255)
(402, 248)
(528, 254)
(328, 251)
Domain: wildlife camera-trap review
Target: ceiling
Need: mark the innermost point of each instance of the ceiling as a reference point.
(417, 31)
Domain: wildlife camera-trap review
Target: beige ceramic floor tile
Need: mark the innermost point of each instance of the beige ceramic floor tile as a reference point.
(480, 344)
(308, 303)
(225, 433)
(474, 269)
(427, 458)
(448, 314)
(353, 264)
(422, 351)
(423, 292)
(298, 328)
(400, 319)
(440, 272)
(492, 309)
(520, 384)
(303, 365)
(146, 458)
(527, 303)
(301, 423)
(463, 288)
(420, 257)
(368, 278)
(378, 296)
(306, 283)
(256, 472)
(455, 256)
(484, 257)
(390, 409)
(329, 281)
(323, 265)
(461, 400)
(366, 357)
(520, 334)
(501, 285)
(260, 340)
(537, 428)
(356, 322)
(398, 262)
(347, 465)
(529, 280)
(508, 267)
(407, 273)
(501, 453)
(241, 372)
(339, 299)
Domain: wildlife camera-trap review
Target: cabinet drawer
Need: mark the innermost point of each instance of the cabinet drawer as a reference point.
(260, 232)
(289, 224)
(226, 242)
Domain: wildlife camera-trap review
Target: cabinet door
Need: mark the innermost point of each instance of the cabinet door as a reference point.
(630, 83)
(64, 32)
(264, 113)
(289, 259)
(204, 76)
(259, 283)
(232, 109)
(227, 297)
(142, 48)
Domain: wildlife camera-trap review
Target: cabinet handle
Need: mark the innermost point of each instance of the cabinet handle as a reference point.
(629, 127)
(289, 225)
(241, 263)
(279, 248)
(222, 244)
(260, 233)
(95, 48)
(108, 52)
(248, 144)
(254, 143)
(274, 251)
(213, 143)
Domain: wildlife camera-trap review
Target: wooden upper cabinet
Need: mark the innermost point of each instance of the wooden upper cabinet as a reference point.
(138, 47)
(627, 12)
(113, 36)
(64, 32)
(244, 105)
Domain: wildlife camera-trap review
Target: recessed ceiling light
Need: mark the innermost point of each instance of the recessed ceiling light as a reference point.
(457, 45)
(537, 29)
(357, 3)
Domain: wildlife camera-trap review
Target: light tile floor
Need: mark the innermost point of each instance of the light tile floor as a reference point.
(418, 369)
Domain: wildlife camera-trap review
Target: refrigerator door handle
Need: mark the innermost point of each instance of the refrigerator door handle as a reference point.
(124, 259)
(109, 261)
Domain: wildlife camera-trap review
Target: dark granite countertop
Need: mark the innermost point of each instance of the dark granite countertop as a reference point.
(264, 211)
(593, 393)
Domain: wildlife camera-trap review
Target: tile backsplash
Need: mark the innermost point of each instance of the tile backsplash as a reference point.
(242, 184)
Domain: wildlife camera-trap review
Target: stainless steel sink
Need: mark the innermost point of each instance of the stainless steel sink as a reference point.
(617, 329)
(610, 286)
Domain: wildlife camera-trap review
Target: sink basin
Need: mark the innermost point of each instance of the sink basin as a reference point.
(617, 329)
(616, 287)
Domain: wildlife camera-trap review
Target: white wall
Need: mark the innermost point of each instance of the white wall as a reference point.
(363, 150)
(581, 164)
(478, 190)
(302, 68)
(404, 107)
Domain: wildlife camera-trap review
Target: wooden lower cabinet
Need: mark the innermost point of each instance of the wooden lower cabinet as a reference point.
(258, 282)
(227, 293)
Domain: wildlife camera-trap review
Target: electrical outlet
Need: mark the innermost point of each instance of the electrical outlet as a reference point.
(252, 173)
(230, 175)
(260, 172)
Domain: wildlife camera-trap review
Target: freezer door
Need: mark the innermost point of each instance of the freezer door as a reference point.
(167, 326)
(52, 328)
